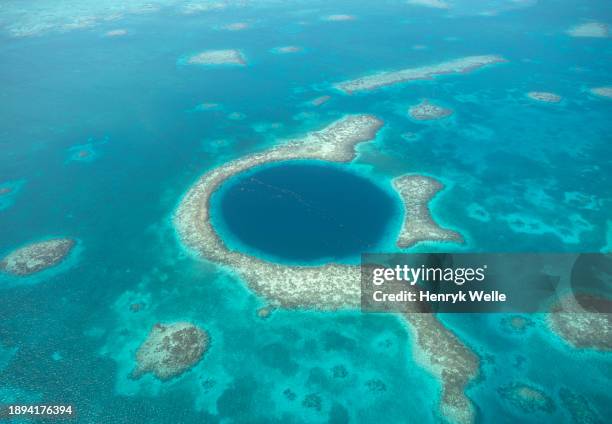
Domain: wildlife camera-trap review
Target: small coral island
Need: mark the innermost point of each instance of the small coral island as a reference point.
(382, 79)
(427, 111)
(435, 4)
(286, 49)
(217, 57)
(36, 257)
(416, 192)
(602, 91)
(236, 26)
(544, 96)
(339, 18)
(116, 33)
(170, 350)
(590, 29)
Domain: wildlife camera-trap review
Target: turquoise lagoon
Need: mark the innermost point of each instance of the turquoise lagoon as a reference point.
(519, 176)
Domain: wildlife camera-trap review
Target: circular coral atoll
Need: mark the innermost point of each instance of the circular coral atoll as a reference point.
(170, 350)
(334, 286)
(36, 257)
(329, 286)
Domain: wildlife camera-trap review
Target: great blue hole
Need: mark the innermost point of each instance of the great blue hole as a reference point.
(301, 211)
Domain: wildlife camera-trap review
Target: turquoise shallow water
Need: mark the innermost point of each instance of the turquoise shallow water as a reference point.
(69, 333)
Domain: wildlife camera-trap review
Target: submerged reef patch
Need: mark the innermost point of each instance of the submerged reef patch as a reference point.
(36, 257)
(544, 96)
(8, 192)
(478, 212)
(264, 312)
(516, 324)
(410, 136)
(382, 79)
(527, 398)
(236, 116)
(569, 233)
(580, 320)
(318, 101)
(579, 408)
(427, 111)
(334, 286)
(7, 352)
(170, 350)
(84, 153)
(217, 57)
(206, 106)
(87, 152)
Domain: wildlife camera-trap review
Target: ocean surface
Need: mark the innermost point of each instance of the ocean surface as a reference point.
(519, 176)
(305, 212)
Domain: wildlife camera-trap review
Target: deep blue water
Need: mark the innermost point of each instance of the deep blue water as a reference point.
(70, 334)
(306, 212)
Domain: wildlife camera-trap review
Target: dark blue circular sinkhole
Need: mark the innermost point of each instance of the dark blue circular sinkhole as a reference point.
(302, 212)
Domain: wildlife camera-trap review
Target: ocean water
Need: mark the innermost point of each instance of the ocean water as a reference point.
(518, 175)
(304, 212)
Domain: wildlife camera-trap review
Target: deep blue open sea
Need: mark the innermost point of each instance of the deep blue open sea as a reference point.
(519, 176)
